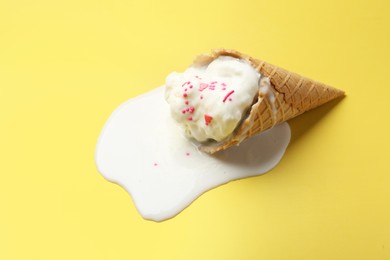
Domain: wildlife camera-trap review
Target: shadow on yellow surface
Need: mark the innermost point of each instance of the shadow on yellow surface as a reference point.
(302, 124)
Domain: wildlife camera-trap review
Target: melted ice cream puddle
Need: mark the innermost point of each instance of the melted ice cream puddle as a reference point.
(143, 150)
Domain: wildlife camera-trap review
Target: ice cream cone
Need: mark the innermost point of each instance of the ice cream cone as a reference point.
(293, 95)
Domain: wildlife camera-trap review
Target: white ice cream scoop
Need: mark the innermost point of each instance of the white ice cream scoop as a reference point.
(210, 101)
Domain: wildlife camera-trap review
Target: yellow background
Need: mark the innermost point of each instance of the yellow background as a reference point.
(66, 65)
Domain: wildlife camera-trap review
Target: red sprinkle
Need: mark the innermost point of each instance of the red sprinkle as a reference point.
(185, 83)
(201, 97)
(187, 154)
(185, 89)
(230, 99)
(183, 111)
(191, 86)
(187, 109)
(186, 102)
(191, 110)
(190, 118)
(227, 96)
(185, 95)
(207, 119)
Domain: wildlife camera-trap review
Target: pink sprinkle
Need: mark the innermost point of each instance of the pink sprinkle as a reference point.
(223, 84)
(185, 95)
(223, 88)
(186, 102)
(183, 111)
(191, 86)
(191, 110)
(214, 82)
(187, 109)
(190, 118)
(187, 154)
(155, 164)
(201, 97)
(203, 86)
(212, 87)
(185, 89)
(227, 96)
(230, 99)
(198, 77)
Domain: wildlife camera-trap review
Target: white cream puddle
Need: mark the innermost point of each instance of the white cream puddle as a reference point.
(143, 150)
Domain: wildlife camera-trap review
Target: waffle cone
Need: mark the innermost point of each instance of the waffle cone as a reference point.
(293, 94)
